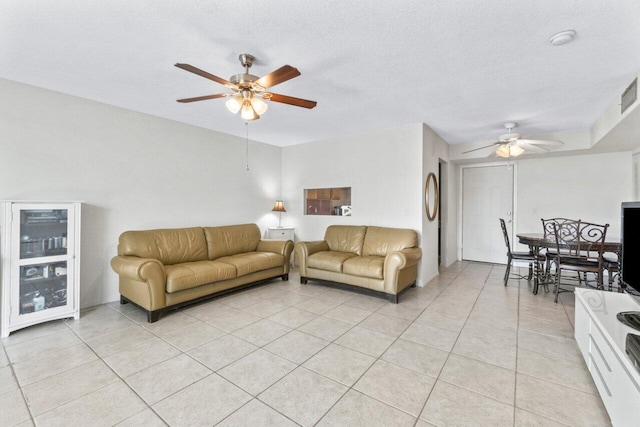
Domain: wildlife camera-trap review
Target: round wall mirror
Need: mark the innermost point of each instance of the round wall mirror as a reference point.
(431, 197)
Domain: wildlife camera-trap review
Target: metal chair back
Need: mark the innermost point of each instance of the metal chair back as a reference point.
(506, 236)
(547, 226)
(578, 239)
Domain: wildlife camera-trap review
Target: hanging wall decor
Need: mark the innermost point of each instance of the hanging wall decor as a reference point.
(431, 196)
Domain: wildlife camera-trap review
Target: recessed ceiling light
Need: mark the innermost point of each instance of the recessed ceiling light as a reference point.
(563, 37)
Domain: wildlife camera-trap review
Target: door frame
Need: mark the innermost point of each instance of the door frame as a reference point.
(514, 216)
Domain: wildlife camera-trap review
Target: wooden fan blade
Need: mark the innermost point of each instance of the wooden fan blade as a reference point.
(203, 98)
(540, 142)
(206, 75)
(282, 74)
(298, 102)
(482, 148)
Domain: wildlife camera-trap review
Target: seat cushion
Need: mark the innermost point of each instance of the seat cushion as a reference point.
(250, 262)
(191, 274)
(526, 256)
(568, 262)
(329, 260)
(366, 266)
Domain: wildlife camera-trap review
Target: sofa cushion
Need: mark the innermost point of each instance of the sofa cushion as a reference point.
(231, 239)
(381, 241)
(345, 238)
(367, 266)
(191, 274)
(329, 260)
(250, 262)
(169, 246)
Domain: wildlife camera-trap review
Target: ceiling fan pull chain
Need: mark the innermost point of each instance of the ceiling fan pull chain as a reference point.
(247, 153)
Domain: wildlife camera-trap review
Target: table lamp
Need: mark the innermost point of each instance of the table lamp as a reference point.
(279, 207)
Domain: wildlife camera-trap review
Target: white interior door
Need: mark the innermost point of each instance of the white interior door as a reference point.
(487, 195)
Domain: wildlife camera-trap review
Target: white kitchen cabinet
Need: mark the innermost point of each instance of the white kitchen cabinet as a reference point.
(601, 338)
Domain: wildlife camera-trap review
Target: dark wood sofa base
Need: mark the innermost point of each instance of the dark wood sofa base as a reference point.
(153, 316)
(357, 289)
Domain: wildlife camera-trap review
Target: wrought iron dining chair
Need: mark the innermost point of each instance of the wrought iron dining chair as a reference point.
(549, 234)
(610, 264)
(530, 257)
(579, 248)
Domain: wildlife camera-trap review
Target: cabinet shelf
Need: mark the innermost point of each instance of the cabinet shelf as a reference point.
(43, 253)
(42, 279)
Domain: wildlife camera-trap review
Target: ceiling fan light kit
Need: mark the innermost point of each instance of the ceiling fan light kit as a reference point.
(249, 90)
(508, 150)
(234, 104)
(511, 145)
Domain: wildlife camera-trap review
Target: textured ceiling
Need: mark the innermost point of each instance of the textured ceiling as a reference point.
(463, 67)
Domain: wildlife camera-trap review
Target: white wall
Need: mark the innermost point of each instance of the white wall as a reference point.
(383, 169)
(588, 187)
(436, 150)
(133, 171)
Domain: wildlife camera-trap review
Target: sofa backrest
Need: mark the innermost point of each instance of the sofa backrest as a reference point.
(231, 239)
(345, 238)
(169, 246)
(380, 241)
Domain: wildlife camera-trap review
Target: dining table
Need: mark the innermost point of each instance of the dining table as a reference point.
(538, 241)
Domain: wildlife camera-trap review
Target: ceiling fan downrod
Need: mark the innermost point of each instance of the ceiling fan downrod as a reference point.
(246, 60)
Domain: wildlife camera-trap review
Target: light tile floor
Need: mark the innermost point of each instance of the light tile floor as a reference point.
(463, 350)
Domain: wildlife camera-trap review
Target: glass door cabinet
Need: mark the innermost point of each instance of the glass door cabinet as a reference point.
(40, 263)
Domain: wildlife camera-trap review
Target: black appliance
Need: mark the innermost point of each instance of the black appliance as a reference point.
(630, 257)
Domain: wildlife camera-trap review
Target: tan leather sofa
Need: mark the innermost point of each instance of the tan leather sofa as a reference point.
(164, 269)
(375, 260)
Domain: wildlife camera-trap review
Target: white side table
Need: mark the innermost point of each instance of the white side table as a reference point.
(280, 233)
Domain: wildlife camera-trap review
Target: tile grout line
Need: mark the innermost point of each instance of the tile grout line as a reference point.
(226, 333)
(216, 371)
(531, 376)
(148, 406)
(455, 342)
(20, 388)
(412, 322)
(349, 388)
(515, 374)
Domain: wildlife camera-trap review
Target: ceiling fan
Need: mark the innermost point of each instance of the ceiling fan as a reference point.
(512, 144)
(249, 91)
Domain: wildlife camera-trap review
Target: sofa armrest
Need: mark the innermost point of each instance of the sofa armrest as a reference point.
(310, 248)
(137, 268)
(281, 247)
(394, 262)
(401, 259)
(306, 249)
(135, 272)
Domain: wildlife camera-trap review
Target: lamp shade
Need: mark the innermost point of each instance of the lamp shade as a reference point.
(279, 206)
(234, 104)
(259, 106)
(247, 112)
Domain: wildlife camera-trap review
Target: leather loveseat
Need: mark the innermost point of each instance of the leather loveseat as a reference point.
(374, 260)
(164, 269)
